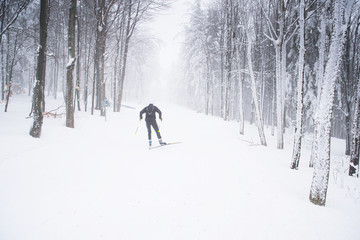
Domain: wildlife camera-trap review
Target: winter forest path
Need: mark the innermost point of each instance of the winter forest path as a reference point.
(100, 181)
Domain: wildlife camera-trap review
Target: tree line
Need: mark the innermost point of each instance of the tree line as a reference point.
(288, 64)
(80, 48)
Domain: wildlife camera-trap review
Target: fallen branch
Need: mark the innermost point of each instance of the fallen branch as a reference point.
(251, 143)
(50, 113)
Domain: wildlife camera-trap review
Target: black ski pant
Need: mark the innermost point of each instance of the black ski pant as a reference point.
(153, 123)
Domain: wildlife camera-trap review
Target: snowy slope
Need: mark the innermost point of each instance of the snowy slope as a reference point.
(100, 181)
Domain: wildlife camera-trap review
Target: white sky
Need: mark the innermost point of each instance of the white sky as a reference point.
(168, 27)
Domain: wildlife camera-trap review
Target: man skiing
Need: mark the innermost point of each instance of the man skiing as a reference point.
(150, 120)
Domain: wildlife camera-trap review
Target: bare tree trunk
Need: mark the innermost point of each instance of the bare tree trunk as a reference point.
(125, 53)
(279, 100)
(279, 48)
(300, 91)
(118, 60)
(320, 70)
(93, 90)
(251, 36)
(70, 66)
(228, 57)
(4, 27)
(32, 78)
(56, 77)
(349, 80)
(240, 87)
(10, 68)
(118, 93)
(207, 84)
(87, 70)
(222, 64)
(273, 107)
(2, 72)
(2, 18)
(101, 12)
(115, 75)
(99, 53)
(355, 144)
(78, 67)
(38, 93)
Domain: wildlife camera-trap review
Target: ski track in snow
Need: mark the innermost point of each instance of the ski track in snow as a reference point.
(100, 181)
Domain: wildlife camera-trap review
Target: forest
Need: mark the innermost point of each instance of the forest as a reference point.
(292, 65)
(283, 64)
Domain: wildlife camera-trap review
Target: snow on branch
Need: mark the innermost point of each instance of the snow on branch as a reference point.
(71, 62)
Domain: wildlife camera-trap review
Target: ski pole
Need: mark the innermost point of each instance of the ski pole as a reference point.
(137, 127)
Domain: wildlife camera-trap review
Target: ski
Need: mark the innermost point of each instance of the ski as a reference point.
(171, 143)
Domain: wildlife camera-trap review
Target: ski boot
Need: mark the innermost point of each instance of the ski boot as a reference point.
(149, 143)
(161, 142)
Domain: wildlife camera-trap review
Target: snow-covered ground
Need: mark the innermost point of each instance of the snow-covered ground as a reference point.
(100, 181)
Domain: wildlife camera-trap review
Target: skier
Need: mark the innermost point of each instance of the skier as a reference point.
(150, 120)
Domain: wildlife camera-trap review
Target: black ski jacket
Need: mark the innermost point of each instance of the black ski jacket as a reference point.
(150, 113)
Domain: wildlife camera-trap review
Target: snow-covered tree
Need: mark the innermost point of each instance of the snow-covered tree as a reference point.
(197, 57)
(9, 13)
(228, 10)
(300, 89)
(349, 78)
(279, 33)
(134, 11)
(251, 37)
(355, 145)
(321, 64)
(240, 55)
(323, 119)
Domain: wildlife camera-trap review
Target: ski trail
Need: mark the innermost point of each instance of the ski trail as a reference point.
(100, 181)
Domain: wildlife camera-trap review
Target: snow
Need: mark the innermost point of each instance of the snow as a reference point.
(70, 62)
(100, 181)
